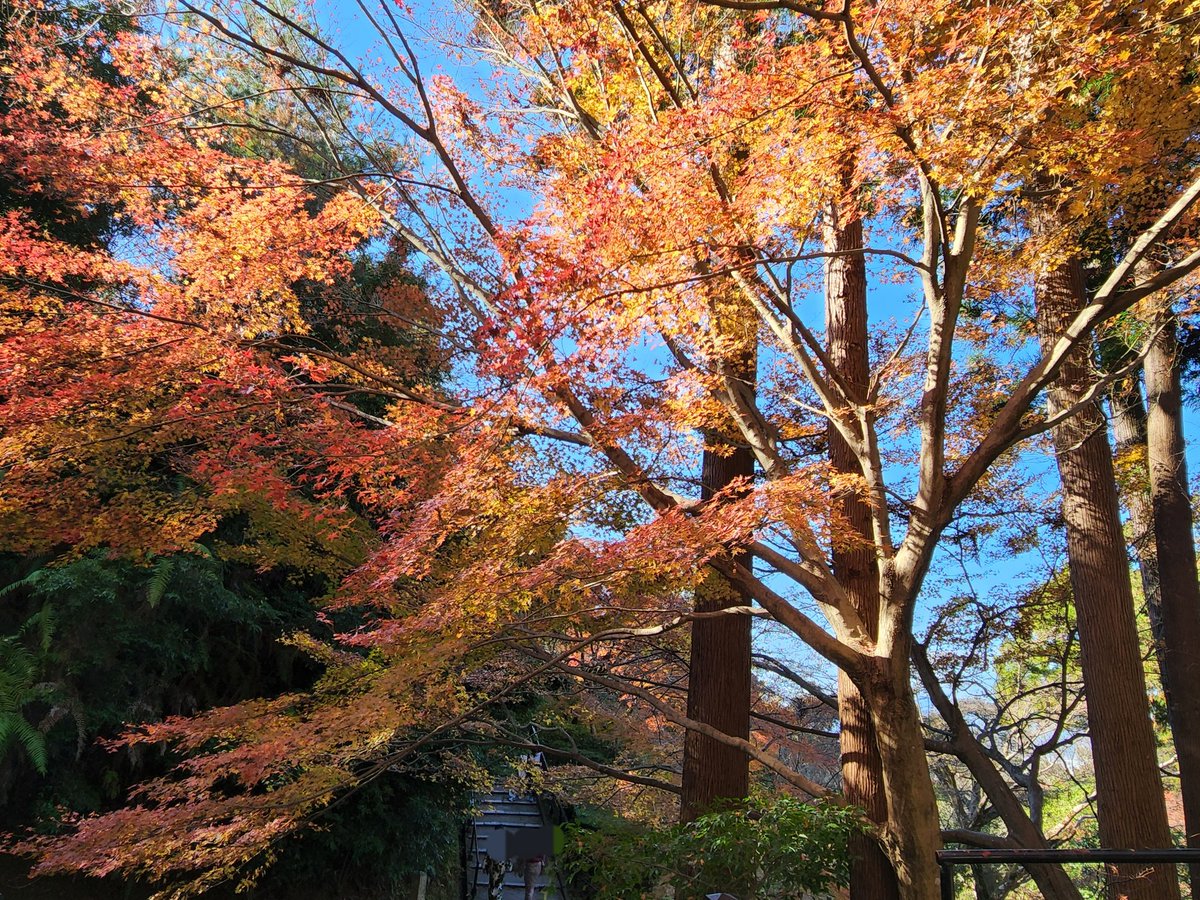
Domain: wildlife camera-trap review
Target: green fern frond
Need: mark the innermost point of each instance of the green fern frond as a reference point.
(29, 581)
(18, 686)
(15, 730)
(18, 672)
(44, 623)
(160, 581)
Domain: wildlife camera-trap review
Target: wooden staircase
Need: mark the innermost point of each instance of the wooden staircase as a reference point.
(507, 829)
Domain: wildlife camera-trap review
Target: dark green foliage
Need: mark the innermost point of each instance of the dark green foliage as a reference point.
(779, 849)
(18, 688)
(374, 841)
(95, 644)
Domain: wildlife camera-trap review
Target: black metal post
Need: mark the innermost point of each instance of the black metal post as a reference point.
(947, 879)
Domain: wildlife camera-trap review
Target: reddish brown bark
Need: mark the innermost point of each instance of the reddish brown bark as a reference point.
(1129, 433)
(1179, 601)
(719, 675)
(1128, 785)
(871, 874)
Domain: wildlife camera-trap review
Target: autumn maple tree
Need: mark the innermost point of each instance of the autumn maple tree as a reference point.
(157, 385)
(949, 241)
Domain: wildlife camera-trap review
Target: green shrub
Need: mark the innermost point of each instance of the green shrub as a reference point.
(779, 848)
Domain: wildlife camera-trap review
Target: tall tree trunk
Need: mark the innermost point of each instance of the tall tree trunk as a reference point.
(1129, 432)
(1171, 509)
(913, 835)
(719, 671)
(1129, 790)
(871, 874)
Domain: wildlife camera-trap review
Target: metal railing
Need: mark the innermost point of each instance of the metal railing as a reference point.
(948, 859)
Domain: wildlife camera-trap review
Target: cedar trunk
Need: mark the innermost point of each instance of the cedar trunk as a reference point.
(1129, 792)
(719, 673)
(719, 677)
(1179, 602)
(871, 874)
(1129, 432)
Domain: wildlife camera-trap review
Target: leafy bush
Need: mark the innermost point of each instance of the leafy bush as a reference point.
(779, 848)
(373, 842)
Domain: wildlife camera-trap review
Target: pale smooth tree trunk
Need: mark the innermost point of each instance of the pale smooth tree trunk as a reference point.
(913, 832)
(871, 874)
(1129, 792)
(1171, 510)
